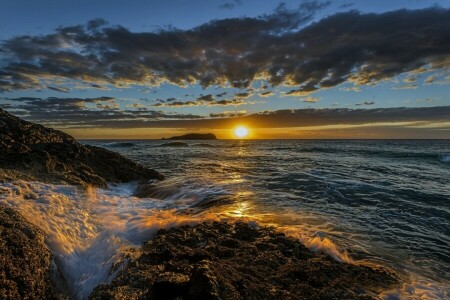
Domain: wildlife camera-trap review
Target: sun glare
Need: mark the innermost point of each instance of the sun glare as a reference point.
(241, 132)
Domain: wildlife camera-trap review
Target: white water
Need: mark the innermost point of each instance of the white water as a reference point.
(90, 230)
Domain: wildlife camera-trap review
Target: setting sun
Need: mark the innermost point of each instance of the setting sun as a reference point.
(241, 132)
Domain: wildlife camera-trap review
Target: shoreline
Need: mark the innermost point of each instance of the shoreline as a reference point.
(35, 153)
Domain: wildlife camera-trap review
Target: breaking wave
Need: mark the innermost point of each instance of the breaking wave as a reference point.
(445, 158)
(119, 144)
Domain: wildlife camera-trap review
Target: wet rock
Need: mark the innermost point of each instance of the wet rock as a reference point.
(236, 261)
(25, 262)
(30, 150)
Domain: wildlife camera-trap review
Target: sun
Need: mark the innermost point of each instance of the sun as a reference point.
(241, 132)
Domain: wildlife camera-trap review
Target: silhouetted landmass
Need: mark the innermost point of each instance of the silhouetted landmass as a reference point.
(30, 151)
(194, 136)
(236, 261)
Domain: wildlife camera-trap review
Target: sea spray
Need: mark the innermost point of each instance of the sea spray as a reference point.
(90, 230)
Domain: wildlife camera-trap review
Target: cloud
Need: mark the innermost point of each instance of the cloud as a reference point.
(233, 102)
(355, 89)
(228, 114)
(266, 94)
(207, 98)
(405, 87)
(284, 48)
(59, 105)
(305, 90)
(230, 5)
(221, 94)
(365, 103)
(76, 112)
(244, 95)
(346, 5)
(268, 119)
(430, 79)
(310, 99)
(59, 89)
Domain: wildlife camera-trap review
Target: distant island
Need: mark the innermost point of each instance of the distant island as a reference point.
(194, 136)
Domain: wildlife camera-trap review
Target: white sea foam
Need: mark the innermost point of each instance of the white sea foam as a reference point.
(445, 158)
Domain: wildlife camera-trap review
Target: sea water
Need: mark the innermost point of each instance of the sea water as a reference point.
(384, 203)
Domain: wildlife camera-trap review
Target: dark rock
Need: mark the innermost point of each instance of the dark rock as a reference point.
(194, 136)
(30, 150)
(25, 261)
(236, 261)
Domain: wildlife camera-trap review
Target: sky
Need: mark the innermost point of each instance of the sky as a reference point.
(293, 69)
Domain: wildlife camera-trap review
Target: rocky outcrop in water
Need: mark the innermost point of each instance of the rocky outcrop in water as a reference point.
(25, 261)
(236, 261)
(31, 151)
(194, 136)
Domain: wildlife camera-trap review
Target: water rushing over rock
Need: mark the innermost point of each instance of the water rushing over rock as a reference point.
(236, 261)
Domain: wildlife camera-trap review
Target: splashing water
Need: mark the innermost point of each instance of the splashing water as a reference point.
(91, 230)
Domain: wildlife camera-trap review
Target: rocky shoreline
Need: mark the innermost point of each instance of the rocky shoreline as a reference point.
(237, 261)
(33, 152)
(207, 261)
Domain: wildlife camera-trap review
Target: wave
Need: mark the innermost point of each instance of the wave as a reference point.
(174, 144)
(205, 145)
(119, 144)
(445, 158)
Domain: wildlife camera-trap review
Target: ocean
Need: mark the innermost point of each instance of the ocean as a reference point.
(373, 202)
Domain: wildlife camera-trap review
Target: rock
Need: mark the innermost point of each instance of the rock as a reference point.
(30, 150)
(194, 136)
(236, 261)
(25, 261)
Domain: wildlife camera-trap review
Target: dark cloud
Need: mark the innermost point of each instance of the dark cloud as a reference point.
(207, 98)
(274, 119)
(58, 105)
(79, 112)
(228, 114)
(242, 95)
(221, 94)
(280, 47)
(230, 5)
(59, 89)
(365, 103)
(199, 102)
(266, 94)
